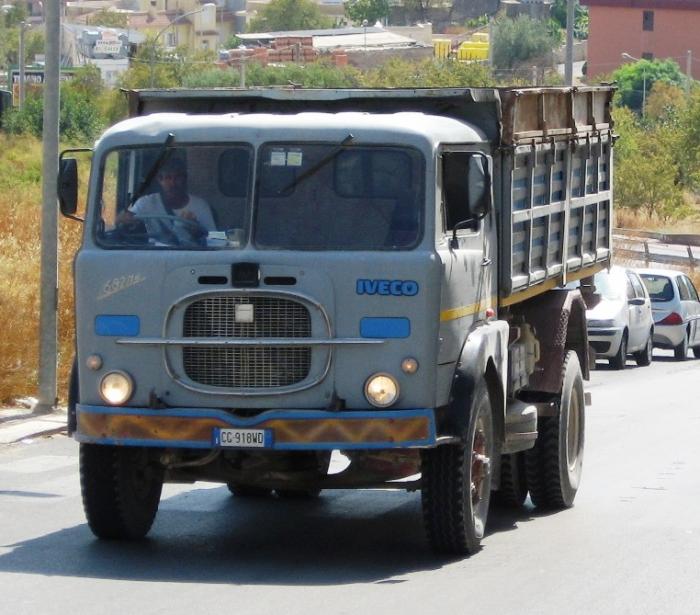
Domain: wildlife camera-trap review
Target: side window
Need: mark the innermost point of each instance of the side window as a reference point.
(683, 288)
(455, 171)
(630, 289)
(692, 290)
(637, 285)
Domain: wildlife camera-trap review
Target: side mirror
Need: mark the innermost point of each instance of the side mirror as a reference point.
(479, 186)
(68, 186)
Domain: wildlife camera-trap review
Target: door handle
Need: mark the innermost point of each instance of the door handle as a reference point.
(485, 262)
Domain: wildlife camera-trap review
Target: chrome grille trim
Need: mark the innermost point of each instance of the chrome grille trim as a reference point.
(317, 376)
(286, 342)
(257, 367)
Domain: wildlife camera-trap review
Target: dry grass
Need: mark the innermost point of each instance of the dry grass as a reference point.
(630, 219)
(20, 254)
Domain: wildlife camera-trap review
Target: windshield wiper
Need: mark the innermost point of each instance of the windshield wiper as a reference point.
(318, 166)
(157, 163)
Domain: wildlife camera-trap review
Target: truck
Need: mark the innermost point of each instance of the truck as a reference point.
(350, 289)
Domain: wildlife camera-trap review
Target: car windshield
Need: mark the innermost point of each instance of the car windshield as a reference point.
(606, 285)
(338, 196)
(195, 197)
(660, 287)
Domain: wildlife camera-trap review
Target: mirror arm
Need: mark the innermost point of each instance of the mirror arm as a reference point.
(469, 222)
(72, 217)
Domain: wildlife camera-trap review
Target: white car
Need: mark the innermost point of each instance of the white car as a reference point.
(676, 307)
(619, 316)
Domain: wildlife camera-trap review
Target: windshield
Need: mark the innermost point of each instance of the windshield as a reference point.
(609, 285)
(195, 197)
(334, 196)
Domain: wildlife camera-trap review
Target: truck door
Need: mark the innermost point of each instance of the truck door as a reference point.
(465, 247)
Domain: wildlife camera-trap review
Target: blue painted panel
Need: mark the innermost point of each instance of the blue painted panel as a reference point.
(109, 325)
(385, 328)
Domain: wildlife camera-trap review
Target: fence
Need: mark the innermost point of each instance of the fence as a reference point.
(634, 245)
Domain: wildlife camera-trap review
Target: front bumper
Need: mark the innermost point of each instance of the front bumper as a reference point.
(606, 342)
(291, 429)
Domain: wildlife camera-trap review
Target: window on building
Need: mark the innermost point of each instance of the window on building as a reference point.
(647, 55)
(648, 21)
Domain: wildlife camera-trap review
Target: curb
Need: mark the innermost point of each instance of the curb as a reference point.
(18, 424)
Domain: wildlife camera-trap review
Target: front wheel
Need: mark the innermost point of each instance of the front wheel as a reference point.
(121, 487)
(456, 484)
(619, 361)
(644, 356)
(555, 464)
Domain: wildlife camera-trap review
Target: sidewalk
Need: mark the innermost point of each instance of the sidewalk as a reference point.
(18, 424)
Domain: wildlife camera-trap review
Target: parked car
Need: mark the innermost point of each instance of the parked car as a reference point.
(676, 308)
(619, 316)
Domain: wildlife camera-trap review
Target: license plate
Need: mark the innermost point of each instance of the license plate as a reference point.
(242, 438)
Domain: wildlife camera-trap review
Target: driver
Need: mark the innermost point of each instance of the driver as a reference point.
(172, 198)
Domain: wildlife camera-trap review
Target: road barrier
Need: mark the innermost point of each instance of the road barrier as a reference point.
(626, 242)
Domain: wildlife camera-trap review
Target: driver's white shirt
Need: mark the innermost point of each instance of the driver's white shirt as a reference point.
(152, 205)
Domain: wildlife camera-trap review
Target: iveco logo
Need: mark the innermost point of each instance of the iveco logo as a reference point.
(397, 288)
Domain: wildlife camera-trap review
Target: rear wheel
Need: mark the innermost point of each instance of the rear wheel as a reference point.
(644, 356)
(680, 352)
(121, 487)
(696, 352)
(456, 484)
(512, 491)
(554, 465)
(619, 361)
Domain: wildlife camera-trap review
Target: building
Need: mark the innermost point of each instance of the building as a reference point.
(643, 29)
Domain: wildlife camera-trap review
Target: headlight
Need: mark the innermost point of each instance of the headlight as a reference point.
(600, 324)
(116, 388)
(381, 390)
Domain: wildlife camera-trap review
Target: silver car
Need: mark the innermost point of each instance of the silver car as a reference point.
(676, 307)
(619, 316)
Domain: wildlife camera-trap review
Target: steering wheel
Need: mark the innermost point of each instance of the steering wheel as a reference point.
(137, 229)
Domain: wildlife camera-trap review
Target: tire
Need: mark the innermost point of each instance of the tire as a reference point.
(644, 357)
(680, 352)
(553, 467)
(298, 494)
(248, 491)
(456, 484)
(121, 490)
(512, 491)
(696, 352)
(619, 361)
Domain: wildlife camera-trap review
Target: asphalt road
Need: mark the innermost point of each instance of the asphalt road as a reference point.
(631, 544)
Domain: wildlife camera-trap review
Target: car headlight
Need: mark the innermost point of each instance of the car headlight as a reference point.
(381, 390)
(599, 324)
(116, 388)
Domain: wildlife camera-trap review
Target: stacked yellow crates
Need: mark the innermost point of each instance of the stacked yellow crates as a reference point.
(442, 47)
(477, 48)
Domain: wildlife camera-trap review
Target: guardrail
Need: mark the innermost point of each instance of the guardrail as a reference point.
(623, 247)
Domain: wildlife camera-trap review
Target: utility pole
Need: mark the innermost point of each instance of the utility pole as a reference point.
(22, 62)
(688, 71)
(569, 61)
(49, 215)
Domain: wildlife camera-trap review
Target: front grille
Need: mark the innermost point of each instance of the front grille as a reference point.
(254, 367)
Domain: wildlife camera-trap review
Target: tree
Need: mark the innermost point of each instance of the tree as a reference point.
(400, 73)
(521, 39)
(107, 19)
(280, 15)
(636, 78)
(369, 10)
(558, 14)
